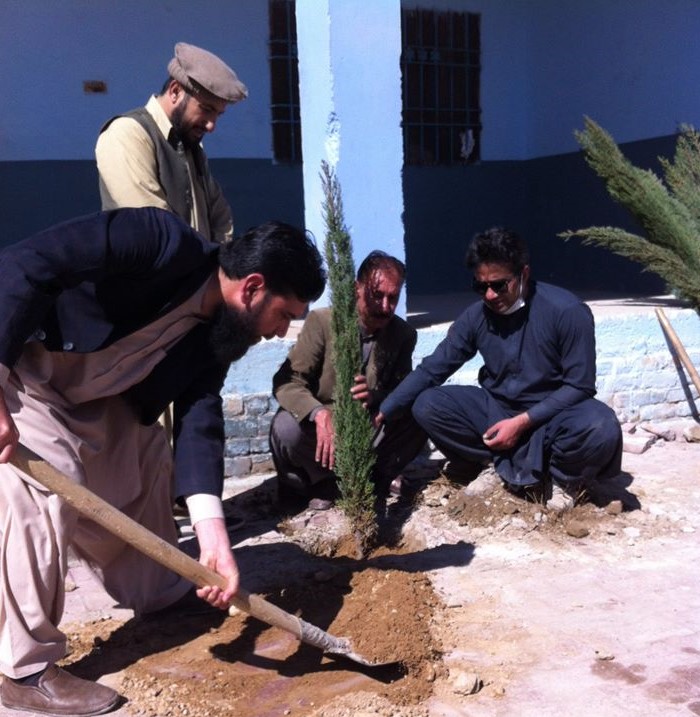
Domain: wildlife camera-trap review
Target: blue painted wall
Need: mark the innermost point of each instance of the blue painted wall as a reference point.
(48, 48)
(633, 65)
(48, 125)
(539, 198)
(35, 195)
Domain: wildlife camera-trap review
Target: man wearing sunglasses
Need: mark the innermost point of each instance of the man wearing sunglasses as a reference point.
(534, 413)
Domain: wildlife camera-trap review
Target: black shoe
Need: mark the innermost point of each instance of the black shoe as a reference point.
(406, 487)
(462, 471)
(293, 482)
(533, 493)
(320, 504)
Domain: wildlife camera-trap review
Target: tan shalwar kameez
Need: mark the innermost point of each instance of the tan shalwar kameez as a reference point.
(69, 409)
(128, 173)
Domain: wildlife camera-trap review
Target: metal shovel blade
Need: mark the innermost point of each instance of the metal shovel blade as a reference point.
(336, 646)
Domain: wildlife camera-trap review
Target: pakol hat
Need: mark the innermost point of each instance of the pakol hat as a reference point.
(196, 70)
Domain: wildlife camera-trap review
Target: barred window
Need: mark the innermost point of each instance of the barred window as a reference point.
(440, 68)
(284, 82)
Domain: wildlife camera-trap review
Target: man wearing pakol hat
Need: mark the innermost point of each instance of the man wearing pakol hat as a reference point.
(152, 156)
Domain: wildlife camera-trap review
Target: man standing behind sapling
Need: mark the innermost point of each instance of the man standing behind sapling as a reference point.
(534, 413)
(302, 437)
(152, 156)
(105, 321)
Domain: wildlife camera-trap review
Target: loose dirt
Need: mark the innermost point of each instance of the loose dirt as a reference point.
(235, 666)
(489, 604)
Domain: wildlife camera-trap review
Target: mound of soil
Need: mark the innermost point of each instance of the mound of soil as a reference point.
(236, 666)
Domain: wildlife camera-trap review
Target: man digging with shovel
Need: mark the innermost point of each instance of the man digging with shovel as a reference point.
(106, 320)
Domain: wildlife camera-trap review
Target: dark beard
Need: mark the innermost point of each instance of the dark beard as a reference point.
(232, 334)
(180, 131)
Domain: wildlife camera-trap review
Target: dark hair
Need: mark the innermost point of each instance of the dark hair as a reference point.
(166, 84)
(192, 91)
(498, 246)
(286, 256)
(378, 259)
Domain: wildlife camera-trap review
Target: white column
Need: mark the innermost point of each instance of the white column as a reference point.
(350, 93)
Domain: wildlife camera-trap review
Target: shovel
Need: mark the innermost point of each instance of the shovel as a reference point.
(93, 507)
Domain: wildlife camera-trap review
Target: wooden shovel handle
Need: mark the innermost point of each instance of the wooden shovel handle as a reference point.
(98, 510)
(678, 347)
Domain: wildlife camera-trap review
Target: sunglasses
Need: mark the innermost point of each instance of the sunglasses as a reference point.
(499, 287)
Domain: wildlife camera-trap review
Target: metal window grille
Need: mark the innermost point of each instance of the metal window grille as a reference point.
(440, 68)
(284, 82)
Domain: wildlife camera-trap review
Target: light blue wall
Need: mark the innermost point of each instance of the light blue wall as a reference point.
(351, 118)
(506, 76)
(368, 101)
(632, 65)
(319, 132)
(49, 47)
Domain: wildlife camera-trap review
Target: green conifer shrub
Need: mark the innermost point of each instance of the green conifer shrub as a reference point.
(354, 458)
(668, 213)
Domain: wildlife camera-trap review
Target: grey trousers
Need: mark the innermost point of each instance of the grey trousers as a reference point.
(293, 446)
